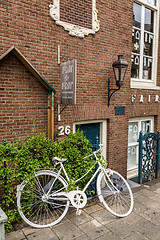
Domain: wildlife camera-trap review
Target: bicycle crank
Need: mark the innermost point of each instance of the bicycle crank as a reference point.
(78, 198)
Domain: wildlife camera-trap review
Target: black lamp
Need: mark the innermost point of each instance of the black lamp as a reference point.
(119, 69)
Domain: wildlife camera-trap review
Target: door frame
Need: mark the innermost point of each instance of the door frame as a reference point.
(133, 172)
(103, 132)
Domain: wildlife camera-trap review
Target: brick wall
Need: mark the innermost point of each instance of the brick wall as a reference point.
(76, 12)
(29, 27)
(22, 97)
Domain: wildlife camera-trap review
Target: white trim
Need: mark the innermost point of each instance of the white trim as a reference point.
(132, 170)
(103, 132)
(147, 4)
(142, 83)
(137, 83)
(75, 30)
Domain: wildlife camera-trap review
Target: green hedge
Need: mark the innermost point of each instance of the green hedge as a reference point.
(23, 157)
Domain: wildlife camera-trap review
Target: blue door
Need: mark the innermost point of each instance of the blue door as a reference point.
(92, 133)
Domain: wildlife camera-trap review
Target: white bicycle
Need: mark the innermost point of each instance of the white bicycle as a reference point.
(43, 200)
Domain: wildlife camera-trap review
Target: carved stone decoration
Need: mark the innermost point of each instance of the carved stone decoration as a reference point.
(75, 30)
(54, 10)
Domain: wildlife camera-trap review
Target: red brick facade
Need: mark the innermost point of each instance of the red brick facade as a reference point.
(28, 26)
(22, 99)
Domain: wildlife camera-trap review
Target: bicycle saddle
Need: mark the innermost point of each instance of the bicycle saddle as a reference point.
(59, 159)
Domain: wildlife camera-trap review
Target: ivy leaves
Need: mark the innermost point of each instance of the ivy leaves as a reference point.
(20, 159)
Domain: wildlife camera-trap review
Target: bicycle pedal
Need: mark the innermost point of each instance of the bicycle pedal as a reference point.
(78, 212)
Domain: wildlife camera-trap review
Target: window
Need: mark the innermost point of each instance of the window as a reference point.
(135, 126)
(144, 42)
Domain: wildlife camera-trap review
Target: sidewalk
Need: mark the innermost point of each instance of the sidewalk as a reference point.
(96, 222)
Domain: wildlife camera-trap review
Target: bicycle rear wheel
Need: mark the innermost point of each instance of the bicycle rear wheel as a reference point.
(115, 193)
(35, 208)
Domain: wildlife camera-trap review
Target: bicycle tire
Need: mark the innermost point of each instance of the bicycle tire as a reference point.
(115, 193)
(30, 200)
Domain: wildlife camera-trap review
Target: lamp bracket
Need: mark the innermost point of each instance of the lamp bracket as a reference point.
(109, 91)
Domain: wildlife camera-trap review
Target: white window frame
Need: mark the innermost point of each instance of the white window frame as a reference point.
(103, 132)
(139, 120)
(75, 30)
(141, 83)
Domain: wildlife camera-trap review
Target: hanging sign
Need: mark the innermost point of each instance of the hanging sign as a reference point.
(68, 82)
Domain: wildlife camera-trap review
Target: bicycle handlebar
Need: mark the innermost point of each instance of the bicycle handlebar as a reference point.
(99, 150)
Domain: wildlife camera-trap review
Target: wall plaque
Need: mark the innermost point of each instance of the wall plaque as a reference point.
(120, 110)
(68, 82)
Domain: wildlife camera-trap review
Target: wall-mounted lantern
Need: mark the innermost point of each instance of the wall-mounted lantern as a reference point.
(119, 69)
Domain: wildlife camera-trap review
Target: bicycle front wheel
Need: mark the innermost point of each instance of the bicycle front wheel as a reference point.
(115, 193)
(35, 207)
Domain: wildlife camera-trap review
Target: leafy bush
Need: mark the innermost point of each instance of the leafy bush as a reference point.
(22, 158)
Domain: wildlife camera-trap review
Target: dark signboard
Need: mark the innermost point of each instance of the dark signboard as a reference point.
(120, 110)
(68, 82)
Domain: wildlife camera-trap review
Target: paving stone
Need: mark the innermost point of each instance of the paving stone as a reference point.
(78, 220)
(120, 228)
(146, 192)
(136, 236)
(94, 229)
(139, 208)
(29, 230)
(136, 195)
(132, 218)
(109, 236)
(153, 216)
(67, 231)
(148, 202)
(146, 228)
(157, 191)
(103, 216)
(153, 186)
(157, 236)
(93, 208)
(83, 237)
(42, 234)
(15, 235)
(156, 198)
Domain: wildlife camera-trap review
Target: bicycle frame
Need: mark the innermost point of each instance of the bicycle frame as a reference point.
(100, 168)
(112, 190)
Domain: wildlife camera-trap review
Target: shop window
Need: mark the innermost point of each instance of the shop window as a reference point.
(144, 43)
(135, 126)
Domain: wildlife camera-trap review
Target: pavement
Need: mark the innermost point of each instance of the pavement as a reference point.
(96, 222)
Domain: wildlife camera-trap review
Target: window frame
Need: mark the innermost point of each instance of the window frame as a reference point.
(139, 120)
(75, 30)
(139, 82)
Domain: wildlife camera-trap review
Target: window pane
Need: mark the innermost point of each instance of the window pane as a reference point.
(136, 15)
(133, 132)
(148, 44)
(146, 126)
(147, 68)
(149, 18)
(135, 66)
(136, 35)
(132, 160)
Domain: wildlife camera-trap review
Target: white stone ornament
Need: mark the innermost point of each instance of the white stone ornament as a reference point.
(75, 30)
